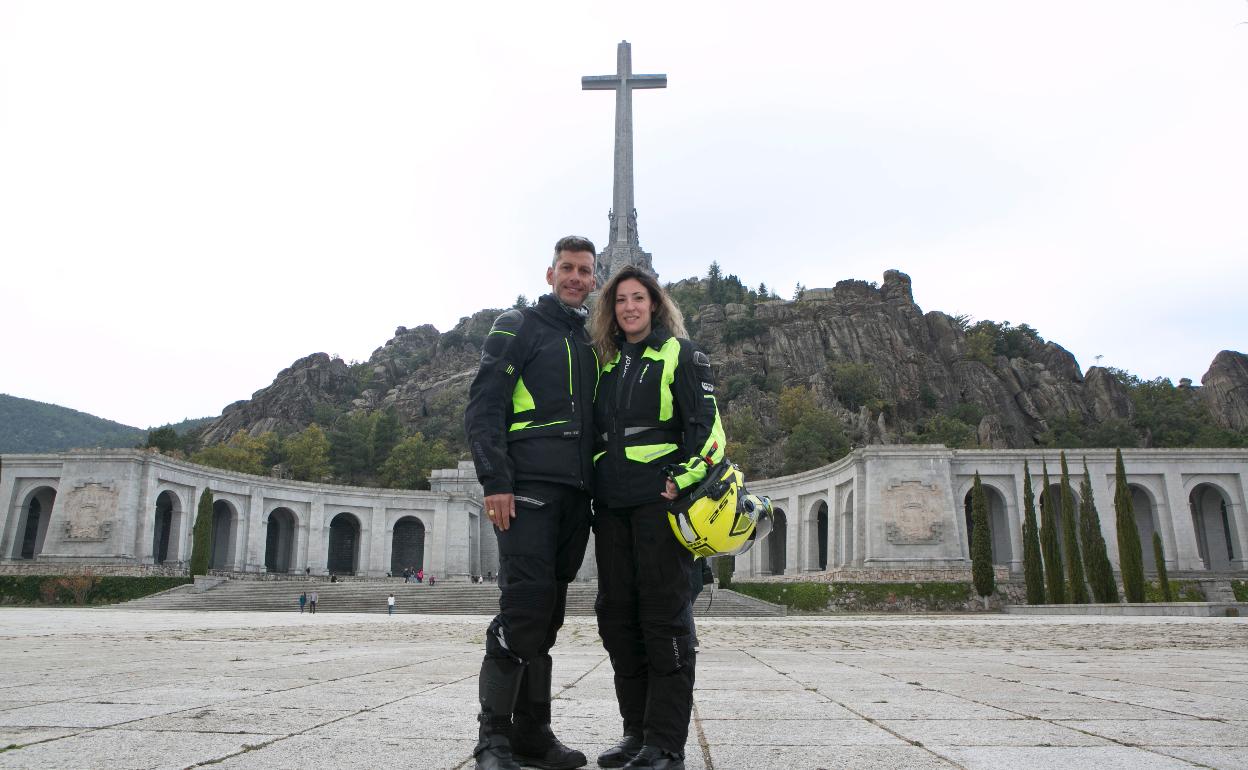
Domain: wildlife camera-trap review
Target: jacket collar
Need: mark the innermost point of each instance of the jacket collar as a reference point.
(550, 307)
(654, 340)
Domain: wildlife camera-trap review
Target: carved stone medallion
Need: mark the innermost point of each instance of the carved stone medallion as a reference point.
(911, 514)
(90, 510)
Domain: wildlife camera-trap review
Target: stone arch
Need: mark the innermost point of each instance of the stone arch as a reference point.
(344, 545)
(845, 533)
(776, 546)
(1215, 526)
(998, 524)
(224, 534)
(279, 540)
(407, 545)
(32, 522)
(167, 527)
(1145, 523)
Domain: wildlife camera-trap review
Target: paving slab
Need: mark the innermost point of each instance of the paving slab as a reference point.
(1060, 758)
(1215, 756)
(126, 689)
(124, 750)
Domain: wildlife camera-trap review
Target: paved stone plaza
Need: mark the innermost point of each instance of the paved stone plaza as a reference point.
(129, 689)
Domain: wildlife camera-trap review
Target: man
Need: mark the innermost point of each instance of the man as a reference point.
(529, 424)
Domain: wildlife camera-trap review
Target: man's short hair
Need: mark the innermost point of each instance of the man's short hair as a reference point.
(572, 243)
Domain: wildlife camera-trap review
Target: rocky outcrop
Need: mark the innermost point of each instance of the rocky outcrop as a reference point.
(290, 402)
(1225, 389)
(923, 362)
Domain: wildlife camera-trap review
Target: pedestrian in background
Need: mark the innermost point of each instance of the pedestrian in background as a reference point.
(303, 599)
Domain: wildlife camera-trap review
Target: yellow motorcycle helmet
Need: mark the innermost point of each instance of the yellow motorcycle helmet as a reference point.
(720, 518)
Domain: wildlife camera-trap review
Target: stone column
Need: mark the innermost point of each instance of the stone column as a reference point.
(1179, 516)
(254, 532)
(299, 550)
(1014, 520)
(795, 538)
(860, 533)
(1235, 513)
(147, 514)
(317, 557)
(376, 564)
(1016, 533)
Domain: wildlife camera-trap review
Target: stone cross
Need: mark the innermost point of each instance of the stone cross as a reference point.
(623, 246)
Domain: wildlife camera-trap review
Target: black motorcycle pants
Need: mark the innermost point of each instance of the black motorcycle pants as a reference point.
(645, 619)
(538, 555)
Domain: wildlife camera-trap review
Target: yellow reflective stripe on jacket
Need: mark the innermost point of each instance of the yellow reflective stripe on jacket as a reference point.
(713, 449)
(647, 452)
(669, 354)
(521, 398)
(528, 425)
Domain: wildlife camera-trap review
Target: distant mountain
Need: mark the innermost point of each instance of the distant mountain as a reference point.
(33, 426)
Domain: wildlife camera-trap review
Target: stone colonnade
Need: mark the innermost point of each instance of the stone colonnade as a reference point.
(881, 507)
(112, 507)
(904, 507)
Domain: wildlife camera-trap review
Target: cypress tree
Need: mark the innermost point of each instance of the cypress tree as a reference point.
(1100, 571)
(981, 543)
(201, 535)
(1130, 555)
(1055, 586)
(1070, 538)
(1163, 578)
(1033, 568)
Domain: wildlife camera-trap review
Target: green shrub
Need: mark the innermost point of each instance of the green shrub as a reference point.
(201, 535)
(737, 329)
(1240, 587)
(821, 597)
(1183, 591)
(32, 589)
(806, 597)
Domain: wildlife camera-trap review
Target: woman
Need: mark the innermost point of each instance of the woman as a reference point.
(659, 428)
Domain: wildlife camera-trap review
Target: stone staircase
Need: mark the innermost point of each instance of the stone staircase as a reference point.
(439, 599)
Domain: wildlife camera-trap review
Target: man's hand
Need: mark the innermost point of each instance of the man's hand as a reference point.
(500, 509)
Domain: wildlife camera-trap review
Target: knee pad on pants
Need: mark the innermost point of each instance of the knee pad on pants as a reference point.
(528, 606)
(668, 654)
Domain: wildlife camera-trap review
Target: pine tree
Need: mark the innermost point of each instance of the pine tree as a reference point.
(1130, 555)
(201, 535)
(1163, 577)
(307, 454)
(1033, 567)
(1070, 538)
(981, 543)
(1055, 585)
(1100, 571)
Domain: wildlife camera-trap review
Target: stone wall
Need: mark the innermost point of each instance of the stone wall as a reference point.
(101, 570)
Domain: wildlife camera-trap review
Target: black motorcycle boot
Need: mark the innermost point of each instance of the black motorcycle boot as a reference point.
(533, 742)
(497, 688)
(653, 758)
(621, 753)
(630, 693)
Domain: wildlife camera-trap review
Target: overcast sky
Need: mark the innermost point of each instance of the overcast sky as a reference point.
(194, 195)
